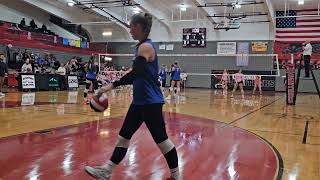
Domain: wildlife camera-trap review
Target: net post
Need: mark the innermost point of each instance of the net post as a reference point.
(291, 87)
(278, 65)
(99, 64)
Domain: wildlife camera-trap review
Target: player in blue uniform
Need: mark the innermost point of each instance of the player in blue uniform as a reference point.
(176, 73)
(146, 105)
(163, 76)
(91, 77)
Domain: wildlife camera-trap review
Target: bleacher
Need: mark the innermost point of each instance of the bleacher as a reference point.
(11, 33)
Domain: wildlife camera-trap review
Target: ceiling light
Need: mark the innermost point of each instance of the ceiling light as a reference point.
(238, 6)
(107, 33)
(301, 2)
(183, 7)
(71, 3)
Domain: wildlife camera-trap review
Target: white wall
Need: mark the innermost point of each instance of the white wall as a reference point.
(258, 31)
(14, 11)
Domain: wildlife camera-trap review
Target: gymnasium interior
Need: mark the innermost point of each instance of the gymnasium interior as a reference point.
(48, 131)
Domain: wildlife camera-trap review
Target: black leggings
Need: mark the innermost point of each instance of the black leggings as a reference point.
(151, 115)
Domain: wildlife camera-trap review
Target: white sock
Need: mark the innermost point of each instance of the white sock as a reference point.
(109, 166)
(175, 173)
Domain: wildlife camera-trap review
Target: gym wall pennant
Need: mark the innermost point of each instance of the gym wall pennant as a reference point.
(259, 46)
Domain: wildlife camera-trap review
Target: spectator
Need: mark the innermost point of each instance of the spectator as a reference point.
(8, 49)
(40, 61)
(26, 68)
(25, 55)
(32, 61)
(37, 69)
(23, 22)
(44, 28)
(56, 64)
(33, 25)
(61, 70)
(3, 72)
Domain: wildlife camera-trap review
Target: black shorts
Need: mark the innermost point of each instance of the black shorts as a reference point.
(151, 115)
(241, 82)
(94, 83)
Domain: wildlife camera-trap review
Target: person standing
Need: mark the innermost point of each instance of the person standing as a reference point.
(62, 72)
(257, 84)
(163, 76)
(3, 72)
(147, 104)
(239, 81)
(307, 52)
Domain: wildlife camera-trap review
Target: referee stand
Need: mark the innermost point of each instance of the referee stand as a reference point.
(290, 75)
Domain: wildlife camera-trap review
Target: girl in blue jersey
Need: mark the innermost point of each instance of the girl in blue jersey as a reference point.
(91, 77)
(146, 105)
(176, 72)
(171, 75)
(163, 76)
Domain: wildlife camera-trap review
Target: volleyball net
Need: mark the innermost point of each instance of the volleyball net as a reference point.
(203, 69)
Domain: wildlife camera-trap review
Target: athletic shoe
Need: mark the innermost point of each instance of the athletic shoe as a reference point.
(98, 173)
(2, 95)
(86, 101)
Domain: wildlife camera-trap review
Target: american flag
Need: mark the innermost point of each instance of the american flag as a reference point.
(297, 29)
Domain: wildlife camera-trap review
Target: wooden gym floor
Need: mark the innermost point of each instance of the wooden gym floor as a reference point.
(51, 135)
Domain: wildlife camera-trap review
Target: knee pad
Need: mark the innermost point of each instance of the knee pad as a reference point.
(166, 146)
(123, 142)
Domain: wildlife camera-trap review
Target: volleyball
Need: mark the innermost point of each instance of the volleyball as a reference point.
(99, 103)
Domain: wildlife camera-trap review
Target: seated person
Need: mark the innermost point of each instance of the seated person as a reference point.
(26, 67)
(44, 29)
(23, 22)
(61, 70)
(37, 69)
(33, 25)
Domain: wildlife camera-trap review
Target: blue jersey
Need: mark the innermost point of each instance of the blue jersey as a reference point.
(91, 72)
(176, 74)
(163, 74)
(146, 90)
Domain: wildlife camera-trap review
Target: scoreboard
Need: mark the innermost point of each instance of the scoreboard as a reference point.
(194, 37)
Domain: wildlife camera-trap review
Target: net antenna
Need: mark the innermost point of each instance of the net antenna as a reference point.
(252, 57)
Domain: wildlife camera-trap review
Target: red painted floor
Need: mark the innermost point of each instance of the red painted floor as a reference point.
(206, 151)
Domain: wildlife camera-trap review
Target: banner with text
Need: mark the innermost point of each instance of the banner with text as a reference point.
(227, 48)
(28, 82)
